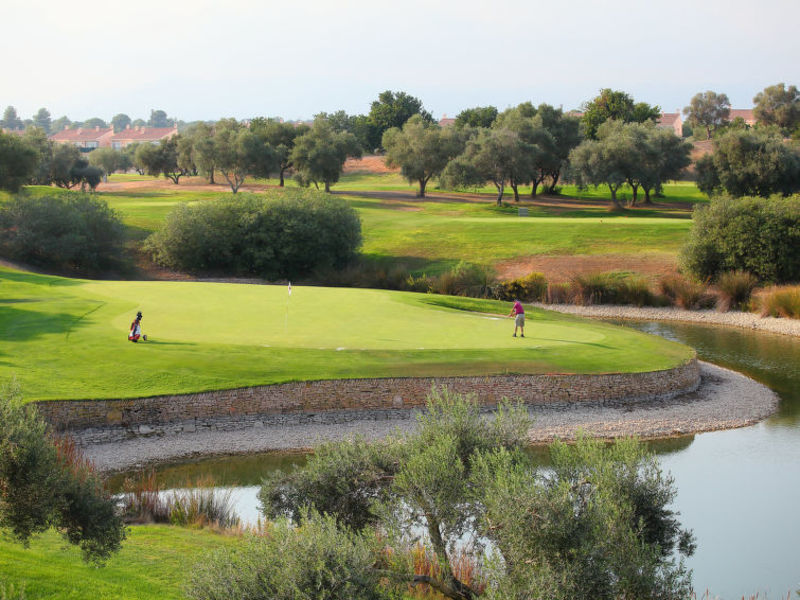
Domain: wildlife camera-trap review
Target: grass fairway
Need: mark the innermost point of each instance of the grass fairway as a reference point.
(67, 339)
(154, 563)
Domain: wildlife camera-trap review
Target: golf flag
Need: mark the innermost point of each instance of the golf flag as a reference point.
(290, 288)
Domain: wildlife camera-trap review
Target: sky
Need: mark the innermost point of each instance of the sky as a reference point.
(207, 59)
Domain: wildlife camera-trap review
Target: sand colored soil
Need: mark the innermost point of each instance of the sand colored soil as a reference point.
(368, 164)
(559, 269)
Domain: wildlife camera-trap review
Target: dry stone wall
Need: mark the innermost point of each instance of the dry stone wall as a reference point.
(337, 401)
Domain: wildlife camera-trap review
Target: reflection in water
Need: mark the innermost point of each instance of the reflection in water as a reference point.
(738, 490)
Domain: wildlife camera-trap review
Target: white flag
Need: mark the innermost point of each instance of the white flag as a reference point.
(290, 288)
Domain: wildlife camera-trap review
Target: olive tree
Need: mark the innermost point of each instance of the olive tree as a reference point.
(421, 150)
(499, 155)
(319, 155)
(595, 525)
(45, 484)
(778, 105)
(607, 160)
(750, 163)
(161, 159)
(280, 137)
(708, 110)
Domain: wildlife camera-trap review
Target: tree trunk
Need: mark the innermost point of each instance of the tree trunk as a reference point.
(647, 196)
(635, 189)
(448, 584)
(534, 188)
(422, 183)
(281, 176)
(552, 188)
(515, 187)
(327, 187)
(615, 205)
(500, 188)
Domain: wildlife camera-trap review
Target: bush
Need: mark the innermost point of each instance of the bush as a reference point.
(780, 302)
(316, 559)
(530, 288)
(734, 289)
(288, 234)
(465, 279)
(758, 235)
(635, 289)
(685, 293)
(69, 232)
(45, 484)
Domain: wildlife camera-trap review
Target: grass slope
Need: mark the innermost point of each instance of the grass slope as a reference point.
(154, 563)
(66, 338)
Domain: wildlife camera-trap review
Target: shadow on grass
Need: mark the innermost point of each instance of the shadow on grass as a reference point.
(19, 325)
(35, 278)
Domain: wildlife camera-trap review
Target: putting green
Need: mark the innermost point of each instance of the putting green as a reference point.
(66, 338)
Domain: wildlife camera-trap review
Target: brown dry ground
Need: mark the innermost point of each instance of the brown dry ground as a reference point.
(559, 269)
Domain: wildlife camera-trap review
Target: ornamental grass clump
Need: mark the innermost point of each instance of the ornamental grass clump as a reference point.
(779, 301)
(734, 289)
(685, 293)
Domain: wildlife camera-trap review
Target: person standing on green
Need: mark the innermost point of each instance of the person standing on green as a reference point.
(519, 318)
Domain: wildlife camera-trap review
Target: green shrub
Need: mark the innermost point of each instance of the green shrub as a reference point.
(758, 235)
(734, 289)
(530, 288)
(44, 484)
(684, 292)
(316, 559)
(781, 301)
(71, 232)
(286, 234)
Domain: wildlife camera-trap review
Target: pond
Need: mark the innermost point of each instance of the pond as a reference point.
(738, 490)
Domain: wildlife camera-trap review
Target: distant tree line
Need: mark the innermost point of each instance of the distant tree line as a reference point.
(614, 141)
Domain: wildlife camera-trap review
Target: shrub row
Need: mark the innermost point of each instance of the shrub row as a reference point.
(285, 234)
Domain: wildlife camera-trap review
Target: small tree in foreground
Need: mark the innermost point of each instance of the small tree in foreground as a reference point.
(595, 526)
(44, 484)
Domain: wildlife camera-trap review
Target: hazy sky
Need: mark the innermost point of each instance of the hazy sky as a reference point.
(204, 59)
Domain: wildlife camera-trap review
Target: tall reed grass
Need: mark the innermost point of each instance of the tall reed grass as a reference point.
(779, 301)
(198, 503)
(734, 289)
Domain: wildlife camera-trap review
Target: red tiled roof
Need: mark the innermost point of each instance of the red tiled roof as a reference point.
(446, 121)
(17, 132)
(81, 134)
(143, 134)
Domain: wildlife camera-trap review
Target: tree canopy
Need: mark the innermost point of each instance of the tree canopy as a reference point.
(778, 105)
(18, 162)
(393, 109)
(596, 524)
(617, 105)
(421, 150)
(44, 484)
(749, 163)
(319, 155)
(480, 116)
(281, 137)
(709, 111)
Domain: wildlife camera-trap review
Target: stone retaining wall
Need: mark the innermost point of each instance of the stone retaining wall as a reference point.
(334, 400)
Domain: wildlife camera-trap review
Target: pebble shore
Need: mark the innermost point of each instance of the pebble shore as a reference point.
(724, 400)
(745, 320)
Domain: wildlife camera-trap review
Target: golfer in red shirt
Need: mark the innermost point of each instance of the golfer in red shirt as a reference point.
(519, 318)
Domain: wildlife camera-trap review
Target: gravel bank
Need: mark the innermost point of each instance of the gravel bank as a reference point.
(724, 400)
(710, 317)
